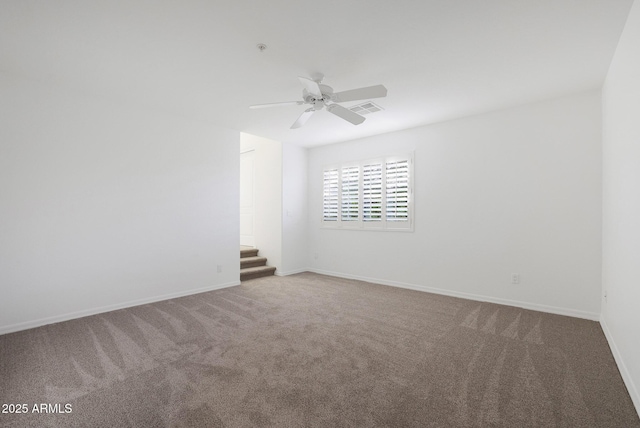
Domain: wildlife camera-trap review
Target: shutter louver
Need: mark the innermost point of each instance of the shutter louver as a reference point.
(330, 196)
(372, 192)
(350, 209)
(397, 190)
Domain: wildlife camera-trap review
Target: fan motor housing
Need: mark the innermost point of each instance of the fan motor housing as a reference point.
(325, 90)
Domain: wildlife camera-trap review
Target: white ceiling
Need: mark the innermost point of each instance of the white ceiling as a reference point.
(439, 59)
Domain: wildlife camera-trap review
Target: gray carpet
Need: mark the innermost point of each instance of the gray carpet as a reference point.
(311, 350)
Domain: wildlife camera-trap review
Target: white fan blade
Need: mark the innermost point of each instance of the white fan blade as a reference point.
(346, 114)
(286, 103)
(303, 118)
(311, 86)
(377, 91)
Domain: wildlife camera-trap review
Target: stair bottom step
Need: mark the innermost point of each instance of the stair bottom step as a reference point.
(256, 272)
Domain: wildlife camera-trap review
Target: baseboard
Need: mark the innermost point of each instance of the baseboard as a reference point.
(624, 372)
(525, 305)
(290, 272)
(88, 312)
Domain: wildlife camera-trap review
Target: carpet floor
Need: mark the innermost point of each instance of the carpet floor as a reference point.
(311, 350)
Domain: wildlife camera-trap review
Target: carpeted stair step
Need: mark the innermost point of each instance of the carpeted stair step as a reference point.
(248, 252)
(256, 272)
(247, 262)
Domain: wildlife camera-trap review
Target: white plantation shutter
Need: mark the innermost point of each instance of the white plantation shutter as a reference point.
(397, 190)
(372, 192)
(350, 194)
(330, 196)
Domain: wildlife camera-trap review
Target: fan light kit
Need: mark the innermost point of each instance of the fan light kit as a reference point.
(320, 96)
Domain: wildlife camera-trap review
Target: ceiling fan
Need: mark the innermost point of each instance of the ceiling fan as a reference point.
(320, 96)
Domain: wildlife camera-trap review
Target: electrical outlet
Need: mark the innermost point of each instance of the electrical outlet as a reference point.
(515, 278)
(219, 268)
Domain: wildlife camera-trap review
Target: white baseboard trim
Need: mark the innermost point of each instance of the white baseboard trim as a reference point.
(624, 372)
(88, 312)
(290, 272)
(525, 305)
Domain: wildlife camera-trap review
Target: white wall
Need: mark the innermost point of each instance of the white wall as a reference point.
(621, 204)
(268, 196)
(514, 191)
(294, 210)
(106, 205)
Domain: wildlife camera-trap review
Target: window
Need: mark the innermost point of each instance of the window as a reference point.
(397, 190)
(330, 204)
(350, 194)
(373, 194)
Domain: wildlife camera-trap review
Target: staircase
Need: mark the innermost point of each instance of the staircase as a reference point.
(253, 266)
